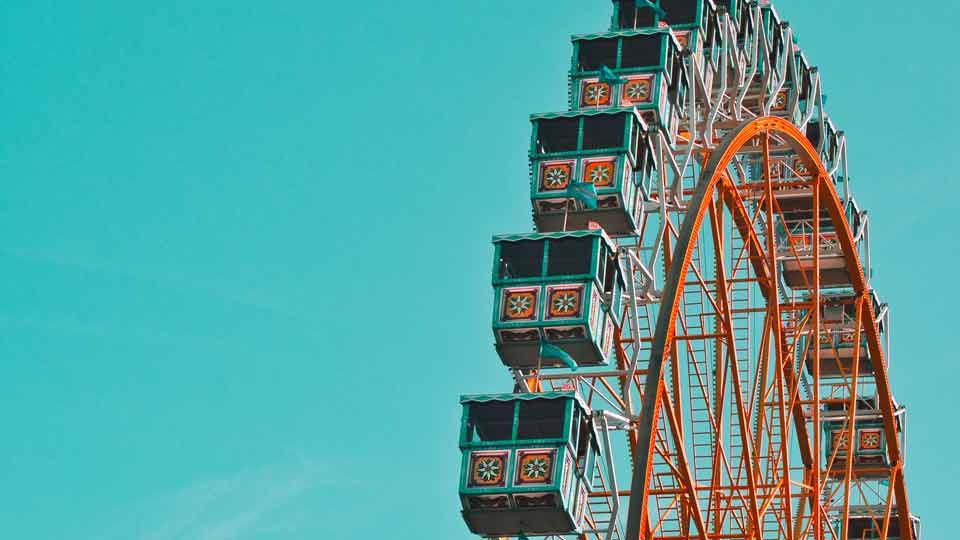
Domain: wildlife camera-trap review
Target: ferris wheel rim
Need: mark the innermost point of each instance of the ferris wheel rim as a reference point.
(714, 175)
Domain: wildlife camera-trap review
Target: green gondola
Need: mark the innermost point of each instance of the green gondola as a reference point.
(528, 462)
(795, 239)
(608, 148)
(869, 449)
(561, 288)
(649, 65)
(837, 340)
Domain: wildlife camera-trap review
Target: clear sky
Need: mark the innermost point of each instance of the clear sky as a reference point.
(245, 249)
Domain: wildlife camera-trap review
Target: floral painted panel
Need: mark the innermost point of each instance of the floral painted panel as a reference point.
(565, 302)
(595, 94)
(841, 441)
(870, 439)
(488, 469)
(519, 304)
(600, 172)
(555, 176)
(637, 90)
(535, 466)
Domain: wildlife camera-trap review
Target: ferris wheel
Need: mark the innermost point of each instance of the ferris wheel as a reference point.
(695, 347)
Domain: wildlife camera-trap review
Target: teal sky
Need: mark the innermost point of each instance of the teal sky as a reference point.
(245, 249)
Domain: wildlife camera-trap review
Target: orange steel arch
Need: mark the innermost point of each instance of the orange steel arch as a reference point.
(713, 178)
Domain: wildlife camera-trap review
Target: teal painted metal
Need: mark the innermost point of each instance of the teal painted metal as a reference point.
(696, 23)
(574, 307)
(599, 242)
(615, 34)
(599, 233)
(575, 114)
(518, 484)
(639, 74)
(648, 60)
(616, 164)
(486, 398)
(679, 13)
(579, 146)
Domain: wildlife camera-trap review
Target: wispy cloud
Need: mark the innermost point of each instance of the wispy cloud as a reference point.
(225, 508)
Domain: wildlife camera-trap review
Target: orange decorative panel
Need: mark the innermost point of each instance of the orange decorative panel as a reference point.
(595, 94)
(797, 242)
(488, 469)
(870, 439)
(555, 176)
(535, 466)
(637, 90)
(800, 242)
(565, 303)
(846, 336)
(841, 441)
(780, 103)
(600, 173)
(519, 304)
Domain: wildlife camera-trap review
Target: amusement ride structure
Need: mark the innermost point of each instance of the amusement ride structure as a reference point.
(695, 346)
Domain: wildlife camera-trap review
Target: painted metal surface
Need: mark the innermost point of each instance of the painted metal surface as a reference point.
(578, 313)
(522, 485)
(737, 366)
